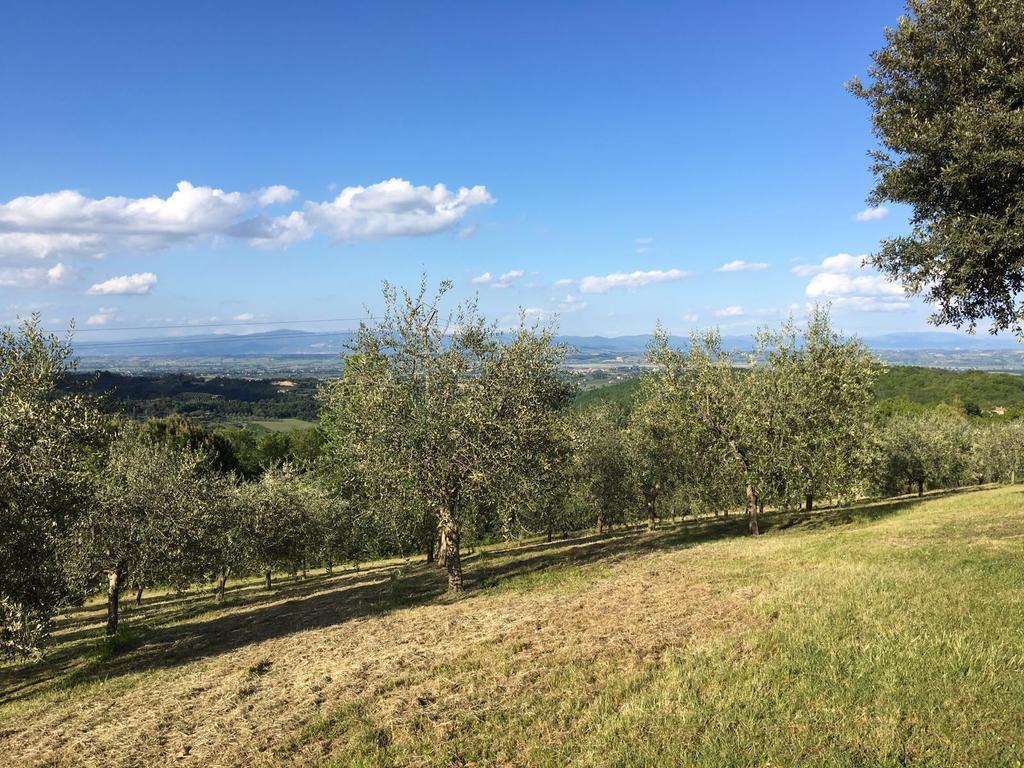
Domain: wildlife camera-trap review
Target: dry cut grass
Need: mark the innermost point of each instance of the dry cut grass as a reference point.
(692, 645)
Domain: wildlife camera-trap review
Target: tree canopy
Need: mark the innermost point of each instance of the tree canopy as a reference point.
(947, 99)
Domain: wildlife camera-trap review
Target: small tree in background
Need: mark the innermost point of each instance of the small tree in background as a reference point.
(601, 471)
(147, 524)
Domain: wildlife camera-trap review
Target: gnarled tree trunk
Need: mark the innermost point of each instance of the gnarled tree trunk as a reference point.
(114, 579)
(449, 551)
(752, 511)
(222, 582)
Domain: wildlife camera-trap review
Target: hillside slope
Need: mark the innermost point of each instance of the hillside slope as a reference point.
(885, 634)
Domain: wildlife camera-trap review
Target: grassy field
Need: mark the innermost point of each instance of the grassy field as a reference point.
(887, 634)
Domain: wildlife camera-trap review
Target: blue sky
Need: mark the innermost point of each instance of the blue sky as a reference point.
(598, 160)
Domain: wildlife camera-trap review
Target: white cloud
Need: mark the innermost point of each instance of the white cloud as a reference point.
(564, 282)
(847, 282)
(275, 195)
(841, 262)
(643, 245)
(69, 223)
(742, 266)
(393, 208)
(734, 311)
(33, 277)
(468, 231)
(504, 280)
(873, 214)
(245, 317)
(828, 284)
(870, 303)
(690, 317)
(137, 284)
(638, 279)
(102, 316)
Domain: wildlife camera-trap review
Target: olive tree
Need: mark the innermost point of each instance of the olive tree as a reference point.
(945, 94)
(601, 471)
(434, 414)
(283, 513)
(45, 481)
(146, 523)
(832, 396)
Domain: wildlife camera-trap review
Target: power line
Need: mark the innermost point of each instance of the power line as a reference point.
(108, 329)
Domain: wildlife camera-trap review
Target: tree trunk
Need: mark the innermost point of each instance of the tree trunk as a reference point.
(430, 548)
(113, 600)
(442, 548)
(450, 549)
(809, 502)
(304, 574)
(600, 524)
(752, 511)
(760, 506)
(270, 582)
(222, 583)
(330, 567)
(652, 521)
(920, 487)
(549, 534)
(138, 596)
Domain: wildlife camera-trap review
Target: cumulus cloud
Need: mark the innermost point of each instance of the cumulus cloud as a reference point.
(504, 280)
(69, 223)
(507, 278)
(742, 266)
(137, 284)
(33, 277)
(841, 262)
(734, 311)
(563, 306)
(638, 279)
(245, 317)
(828, 284)
(876, 213)
(102, 316)
(275, 195)
(393, 208)
(848, 283)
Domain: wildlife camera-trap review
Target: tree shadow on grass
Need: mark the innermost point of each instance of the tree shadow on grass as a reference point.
(177, 632)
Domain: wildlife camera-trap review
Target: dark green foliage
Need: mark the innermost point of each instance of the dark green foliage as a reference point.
(215, 399)
(947, 97)
(46, 441)
(931, 386)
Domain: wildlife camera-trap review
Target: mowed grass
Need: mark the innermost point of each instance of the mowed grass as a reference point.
(886, 634)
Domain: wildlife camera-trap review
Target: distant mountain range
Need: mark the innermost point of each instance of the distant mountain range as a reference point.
(296, 342)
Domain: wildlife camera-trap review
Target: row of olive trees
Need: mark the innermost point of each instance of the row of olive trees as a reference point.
(88, 502)
(438, 432)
